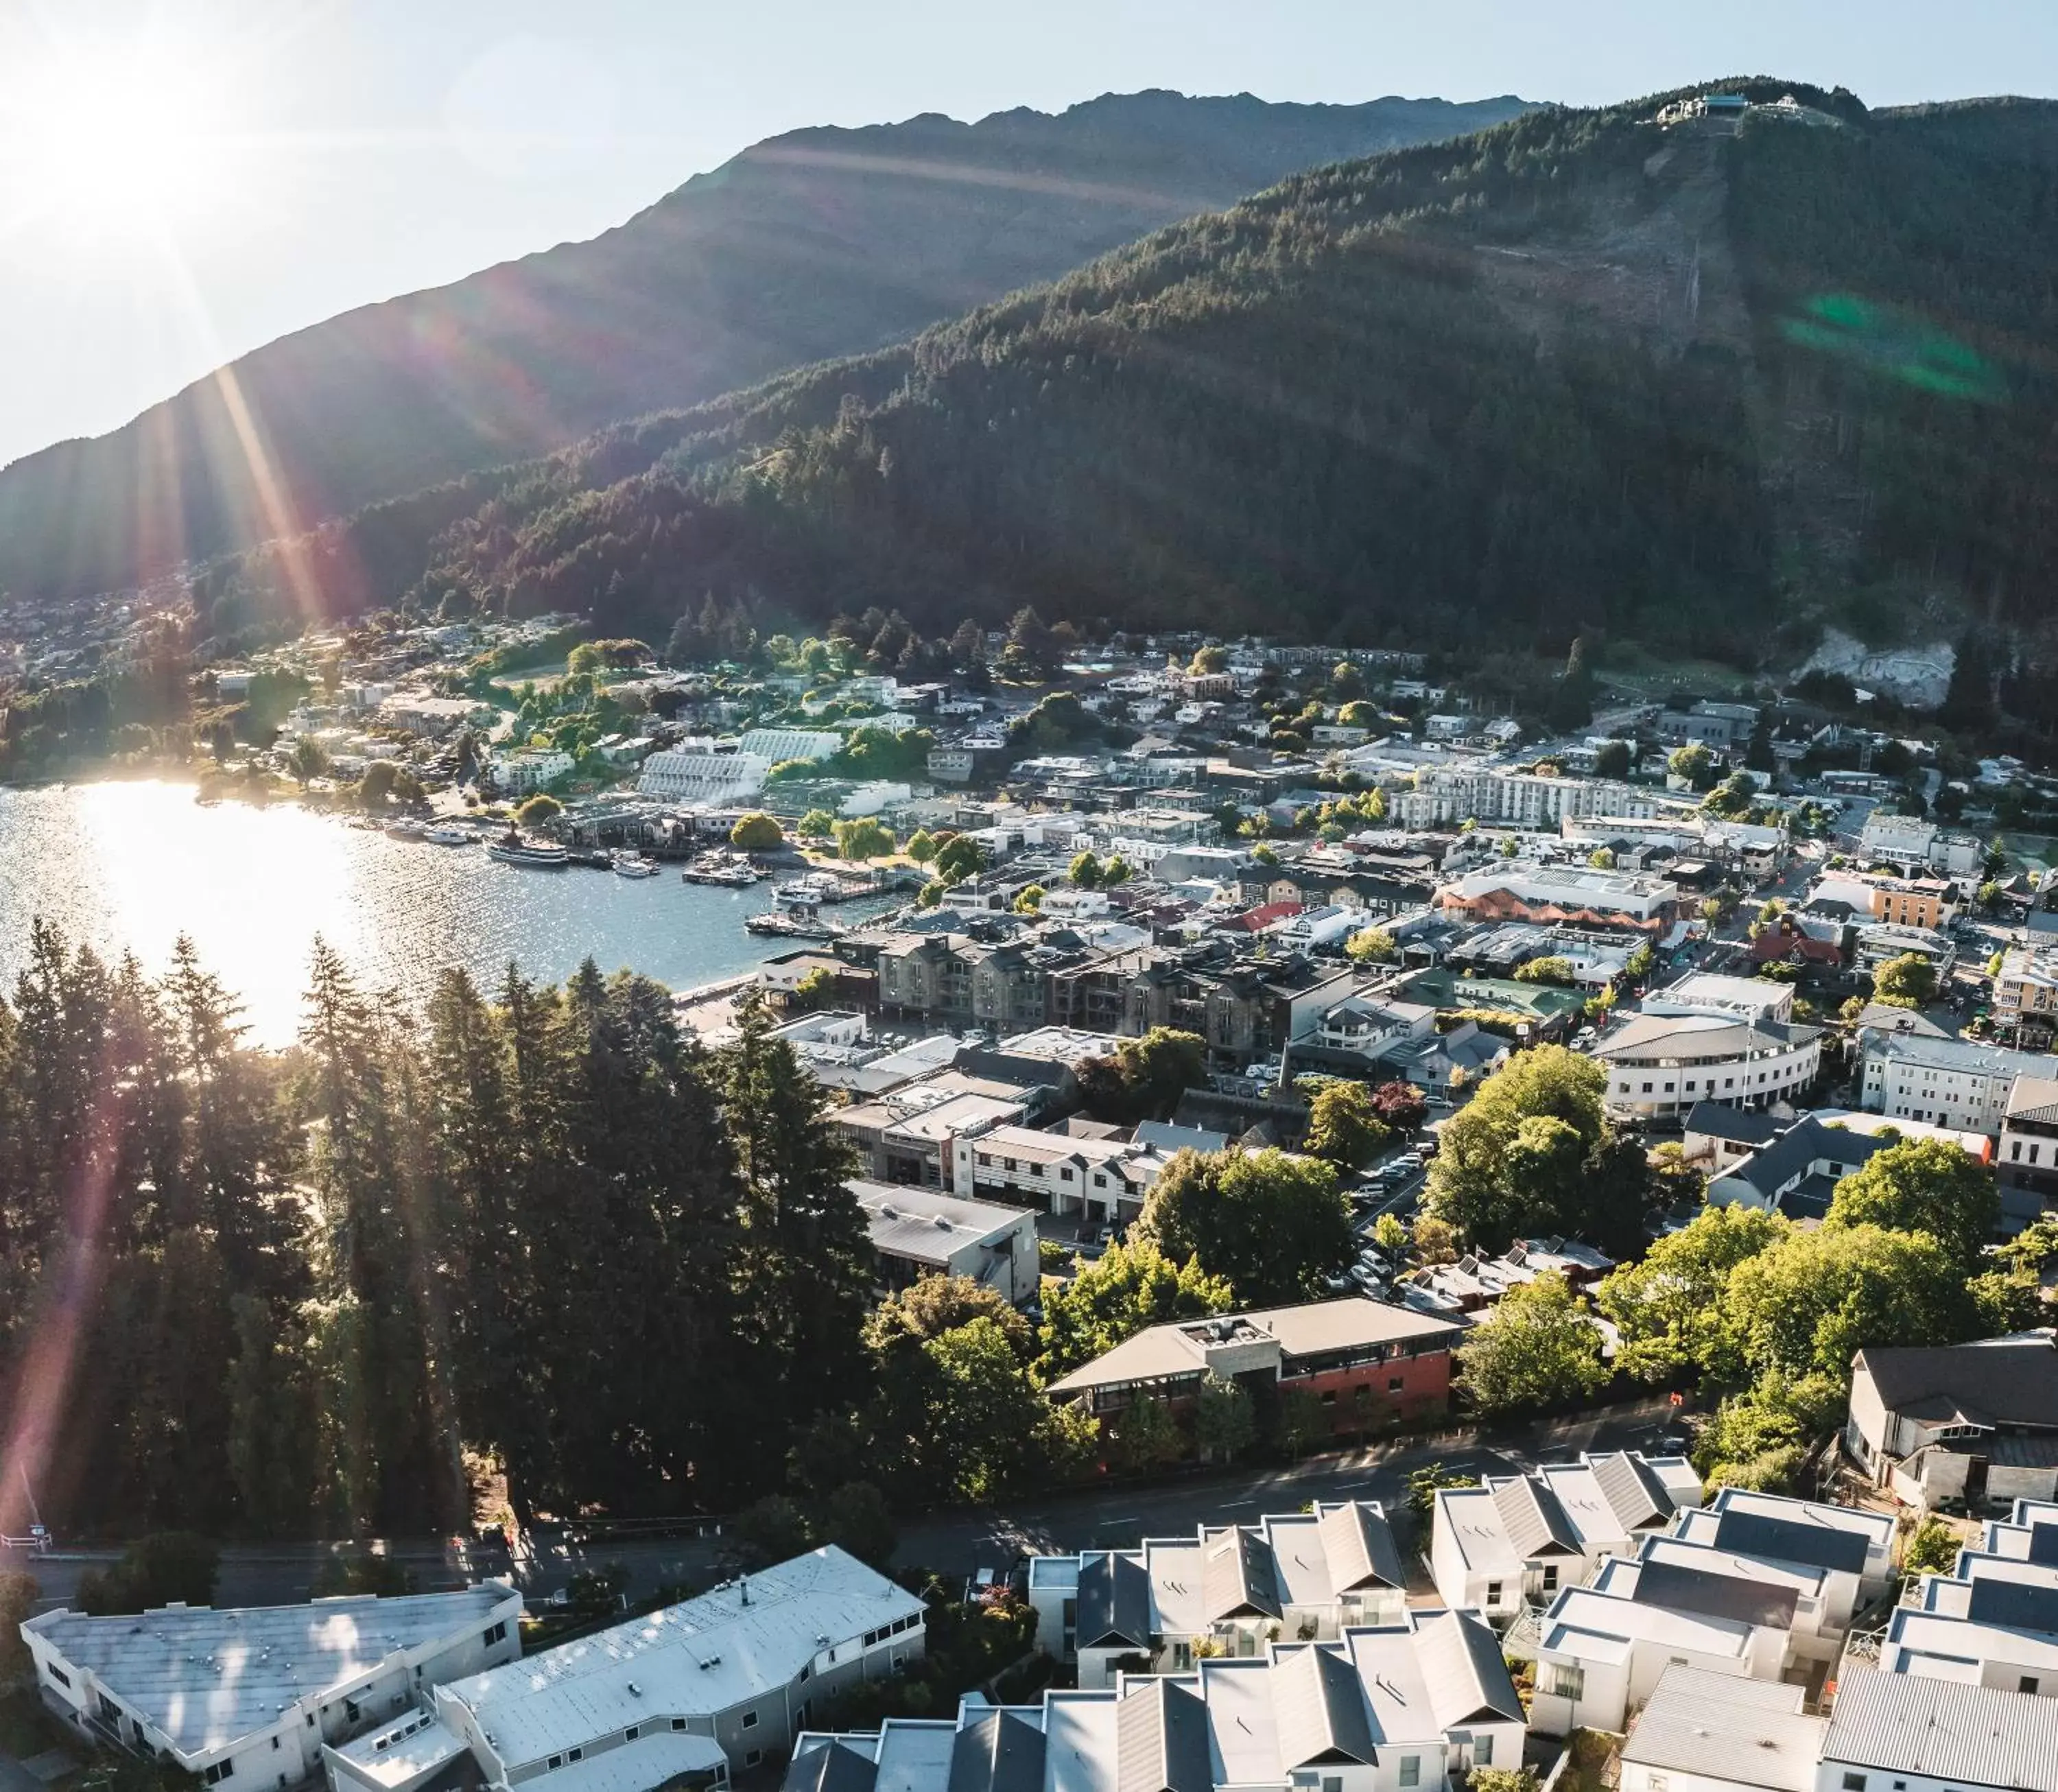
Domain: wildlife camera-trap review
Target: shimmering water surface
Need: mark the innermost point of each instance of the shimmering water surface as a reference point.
(133, 865)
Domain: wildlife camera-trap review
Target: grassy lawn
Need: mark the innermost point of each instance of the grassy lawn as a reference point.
(543, 674)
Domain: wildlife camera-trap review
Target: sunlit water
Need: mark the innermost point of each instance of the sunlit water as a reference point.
(134, 865)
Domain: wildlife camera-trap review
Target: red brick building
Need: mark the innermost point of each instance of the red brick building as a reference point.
(1371, 1365)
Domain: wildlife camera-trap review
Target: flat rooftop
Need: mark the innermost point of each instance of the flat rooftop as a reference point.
(204, 1677)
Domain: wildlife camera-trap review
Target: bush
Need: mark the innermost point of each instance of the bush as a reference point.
(18, 1594)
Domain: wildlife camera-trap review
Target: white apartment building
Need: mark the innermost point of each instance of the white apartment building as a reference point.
(923, 1232)
(1902, 1733)
(1105, 1179)
(1230, 1589)
(1518, 1540)
(251, 1698)
(696, 773)
(1413, 1706)
(1708, 1732)
(519, 773)
(677, 1699)
(1959, 1083)
(1662, 1065)
(1447, 795)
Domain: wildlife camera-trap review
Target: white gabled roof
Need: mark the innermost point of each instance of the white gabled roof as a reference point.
(707, 1654)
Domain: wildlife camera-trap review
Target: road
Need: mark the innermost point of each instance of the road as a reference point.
(959, 1542)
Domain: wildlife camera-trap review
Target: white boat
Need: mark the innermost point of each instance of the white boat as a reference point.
(634, 864)
(511, 849)
(449, 836)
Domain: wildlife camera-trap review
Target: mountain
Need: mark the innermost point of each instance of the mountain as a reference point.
(820, 243)
(1704, 385)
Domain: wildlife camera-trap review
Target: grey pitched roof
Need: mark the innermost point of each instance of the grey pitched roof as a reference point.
(2014, 1383)
(1238, 1575)
(1536, 1520)
(997, 1752)
(1785, 1539)
(1320, 1705)
(1114, 1602)
(1360, 1546)
(1675, 1588)
(1632, 1489)
(834, 1767)
(1966, 1736)
(1161, 1740)
(1465, 1671)
(1740, 1125)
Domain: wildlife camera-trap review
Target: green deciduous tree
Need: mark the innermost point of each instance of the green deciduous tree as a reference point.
(1923, 1185)
(1370, 945)
(1225, 1420)
(756, 832)
(1537, 1346)
(1128, 1288)
(1343, 1126)
(1908, 981)
(1273, 1226)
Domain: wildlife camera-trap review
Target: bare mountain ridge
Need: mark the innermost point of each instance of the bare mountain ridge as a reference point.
(822, 243)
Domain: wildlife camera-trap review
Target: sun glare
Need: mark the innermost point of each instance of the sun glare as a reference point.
(123, 137)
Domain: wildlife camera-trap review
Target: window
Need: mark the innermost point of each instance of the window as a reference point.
(498, 1634)
(1854, 1782)
(274, 1742)
(1395, 1383)
(1493, 1592)
(1182, 1656)
(311, 1720)
(749, 1720)
(806, 1670)
(1065, 1175)
(1568, 1680)
(753, 1758)
(574, 1754)
(64, 1679)
(1332, 1782)
(2027, 1683)
(1411, 1770)
(1483, 1751)
(219, 1772)
(1551, 1577)
(678, 1723)
(1658, 1782)
(629, 1736)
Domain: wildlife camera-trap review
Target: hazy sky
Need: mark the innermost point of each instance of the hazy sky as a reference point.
(182, 179)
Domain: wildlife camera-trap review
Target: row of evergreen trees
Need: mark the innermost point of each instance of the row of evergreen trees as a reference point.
(286, 1292)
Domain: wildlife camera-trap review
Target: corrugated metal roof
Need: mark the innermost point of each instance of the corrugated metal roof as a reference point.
(1114, 1602)
(1320, 1706)
(1161, 1732)
(833, 1767)
(1238, 1576)
(1358, 1541)
(1967, 1735)
(1465, 1671)
(997, 1751)
(1634, 1493)
(1537, 1521)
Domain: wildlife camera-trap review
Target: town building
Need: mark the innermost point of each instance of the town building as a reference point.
(1909, 1074)
(1958, 1423)
(1845, 1540)
(1884, 941)
(1445, 797)
(1795, 1172)
(919, 1232)
(531, 769)
(1661, 1066)
(2025, 995)
(1370, 1365)
(698, 775)
(1719, 726)
(1517, 1540)
(911, 1135)
(1516, 889)
(1420, 1704)
(1704, 1731)
(1992, 1622)
(2027, 1165)
(682, 1697)
(1104, 1180)
(1230, 1590)
(1908, 1731)
(251, 1697)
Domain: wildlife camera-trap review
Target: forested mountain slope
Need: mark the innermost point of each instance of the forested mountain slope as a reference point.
(1578, 372)
(820, 243)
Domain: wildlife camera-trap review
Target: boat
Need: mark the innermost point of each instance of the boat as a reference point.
(449, 836)
(404, 830)
(721, 869)
(792, 927)
(511, 849)
(634, 864)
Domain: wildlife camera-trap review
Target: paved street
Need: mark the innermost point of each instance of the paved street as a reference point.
(959, 1542)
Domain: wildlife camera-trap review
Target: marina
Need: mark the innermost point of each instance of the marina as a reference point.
(134, 865)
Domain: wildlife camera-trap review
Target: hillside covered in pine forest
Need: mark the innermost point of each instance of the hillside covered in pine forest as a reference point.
(1705, 383)
(819, 242)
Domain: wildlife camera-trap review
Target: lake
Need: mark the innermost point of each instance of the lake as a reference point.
(133, 865)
